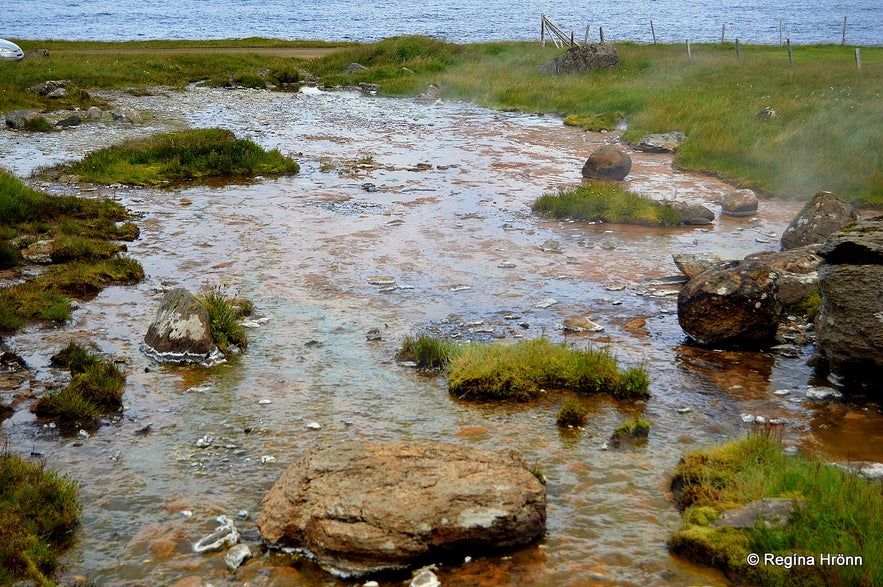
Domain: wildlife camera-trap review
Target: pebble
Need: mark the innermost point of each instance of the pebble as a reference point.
(314, 426)
(381, 280)
(818, 393)
(268, 459)
(506, 265)
(236, 556)
(205, 441)
(545, 303)
(459, 287)
(224, 535)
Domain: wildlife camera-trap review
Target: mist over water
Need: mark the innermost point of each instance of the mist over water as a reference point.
(460, 21)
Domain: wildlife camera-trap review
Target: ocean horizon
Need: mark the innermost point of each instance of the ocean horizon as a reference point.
(458, 21)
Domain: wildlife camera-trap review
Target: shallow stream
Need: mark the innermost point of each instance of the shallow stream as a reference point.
(437, 196)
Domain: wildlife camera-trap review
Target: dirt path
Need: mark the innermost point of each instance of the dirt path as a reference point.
(294, 52)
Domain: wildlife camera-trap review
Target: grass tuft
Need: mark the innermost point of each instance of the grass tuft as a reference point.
(430, 354)
(572, 414)
(96, 387)
(605, 201)
(839, 513)
(225, 314)
(38, 514)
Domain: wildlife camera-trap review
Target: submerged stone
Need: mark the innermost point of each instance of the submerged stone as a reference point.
(181, 331)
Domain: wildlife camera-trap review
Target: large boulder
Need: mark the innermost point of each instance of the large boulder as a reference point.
(733, 304)
(607, 163)
(821, 217)
(181, 331)
(849, 322)
(584, 58)
(362, 508)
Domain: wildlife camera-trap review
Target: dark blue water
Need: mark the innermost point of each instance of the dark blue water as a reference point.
(460, 21)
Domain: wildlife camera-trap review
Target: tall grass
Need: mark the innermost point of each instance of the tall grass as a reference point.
(838, 513)
(224, 316)
(605, 201)
(181, 156)
(38, 514)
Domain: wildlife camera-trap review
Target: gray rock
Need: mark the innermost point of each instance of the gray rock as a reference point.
(691, 214)
(733, 304)
(581, 59)
(72, 120)
(355, 68)
(739, 203)
(51, 88)
(226, 534)
(425, 578)
(661, 143)
(607, 163)
(693, 264)
(181, 331)
(821, 217)
(771, 512)
(94, 113)
(580, 324)
(849, 323)
(362, 508)
(21, 118)
(236, 556)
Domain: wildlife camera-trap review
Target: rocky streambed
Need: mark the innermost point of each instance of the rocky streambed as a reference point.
(408, 216)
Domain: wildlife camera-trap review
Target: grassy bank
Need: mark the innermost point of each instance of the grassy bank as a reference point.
(837, 513)
(525, 370)
(825, 135)
(76, 238)
(38, 514)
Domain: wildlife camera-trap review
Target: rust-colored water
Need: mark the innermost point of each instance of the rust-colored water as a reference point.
(454, 184)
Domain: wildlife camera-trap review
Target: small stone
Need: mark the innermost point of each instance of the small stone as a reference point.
(459, 287)
(551, 246)
(185, 201)
(373, 334)
(820, 393)
(506, 265)
(224, 535)
(685, 410)
(580, 324)
(381, 280)
(748, 418)
(314, 426)
(267, 459)
(236, 556)
(205, 441)
(425, 578)
(545, 303)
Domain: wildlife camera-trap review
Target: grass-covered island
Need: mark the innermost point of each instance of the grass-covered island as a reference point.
(836, 514)
(524, 370)
(605, 201)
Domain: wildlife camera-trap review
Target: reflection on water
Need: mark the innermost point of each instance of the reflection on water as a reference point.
(447, 216)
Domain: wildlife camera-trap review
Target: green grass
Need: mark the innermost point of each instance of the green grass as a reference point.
(179, 156)
(224, 314)
(38, 514)
(635, 430)
(824, 138)
(572, 414)
(841, 514)
(96, 387)
(605, 201)
(525, 370)
(84, 261)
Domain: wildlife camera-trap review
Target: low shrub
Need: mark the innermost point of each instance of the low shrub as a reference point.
(430, 354)
(250, 80)
(38, 514)
(605, 201)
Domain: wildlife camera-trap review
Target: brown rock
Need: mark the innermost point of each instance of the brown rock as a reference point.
(739, 203)
(367, 508)
(797, 269)
(734, 304)
(607, 163)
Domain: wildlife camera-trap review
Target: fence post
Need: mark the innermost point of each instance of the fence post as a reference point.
(653, 32)
(780, 32)
(543, 29)
(588, 32)
(723, 32)
(572, 44)
(843, 42)
(790, 55)
(601, 30)
(738, 50)
(858, 58)
(689, 51)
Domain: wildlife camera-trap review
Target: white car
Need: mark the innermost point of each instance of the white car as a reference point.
(9, 51)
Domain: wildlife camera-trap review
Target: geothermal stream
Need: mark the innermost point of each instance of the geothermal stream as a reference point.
(437, 196)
